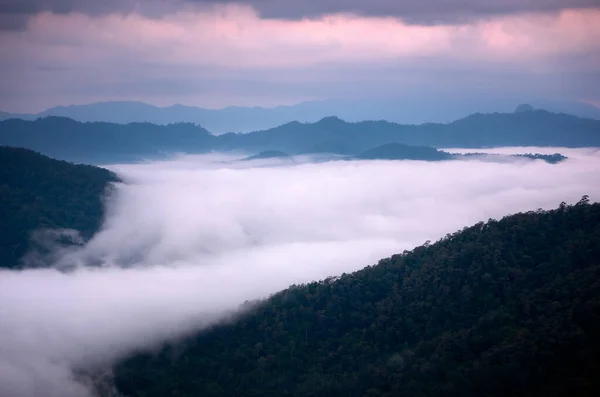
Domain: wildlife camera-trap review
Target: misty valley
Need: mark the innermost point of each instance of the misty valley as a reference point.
(299, 198)
(349, 269)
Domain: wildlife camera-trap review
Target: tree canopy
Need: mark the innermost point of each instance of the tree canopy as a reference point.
(39, 192)
(504, 307)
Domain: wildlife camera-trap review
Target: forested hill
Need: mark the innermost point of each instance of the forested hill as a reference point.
(68, 139)
(509, 307)
(40, 192)
(71, 140)
(398, 151)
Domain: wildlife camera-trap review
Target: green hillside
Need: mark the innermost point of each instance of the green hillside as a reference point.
(508, 307)
(39, 192)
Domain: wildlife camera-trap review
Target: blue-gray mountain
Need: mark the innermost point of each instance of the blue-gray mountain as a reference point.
(108, 142)
(245, 119)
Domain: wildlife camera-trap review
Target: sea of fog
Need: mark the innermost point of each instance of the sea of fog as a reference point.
(187, 240)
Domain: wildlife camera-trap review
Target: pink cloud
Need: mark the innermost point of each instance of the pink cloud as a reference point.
(117, 47)
(236, 37)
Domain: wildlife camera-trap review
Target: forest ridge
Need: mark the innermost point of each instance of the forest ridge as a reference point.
(106, 142)
(504, 307)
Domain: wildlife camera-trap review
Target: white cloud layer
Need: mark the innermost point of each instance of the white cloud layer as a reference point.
(201, 236)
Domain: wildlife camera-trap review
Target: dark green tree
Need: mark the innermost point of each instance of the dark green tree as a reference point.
(38, 192)
(506, 307)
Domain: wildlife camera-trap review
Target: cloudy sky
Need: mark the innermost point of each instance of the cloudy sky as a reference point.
(215, 53)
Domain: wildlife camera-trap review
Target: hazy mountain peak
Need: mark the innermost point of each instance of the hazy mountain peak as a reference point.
(329, 120)
(524, 108)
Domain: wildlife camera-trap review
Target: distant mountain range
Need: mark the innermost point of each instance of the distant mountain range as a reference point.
(108, 142)
(246, 119)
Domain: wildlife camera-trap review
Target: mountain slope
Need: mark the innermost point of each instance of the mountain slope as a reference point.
(39, 192)
(102, 142)
(508, 307)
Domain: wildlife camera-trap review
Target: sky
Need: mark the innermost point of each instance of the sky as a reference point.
(187, 240)
(216, 53)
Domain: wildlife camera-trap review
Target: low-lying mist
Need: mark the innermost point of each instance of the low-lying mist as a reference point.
(186, 241)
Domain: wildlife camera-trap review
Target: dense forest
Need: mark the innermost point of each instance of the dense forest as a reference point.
(106, 142)
(40, 192)
(507, 307)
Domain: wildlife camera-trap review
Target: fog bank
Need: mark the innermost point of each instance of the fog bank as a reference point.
(186, 241)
